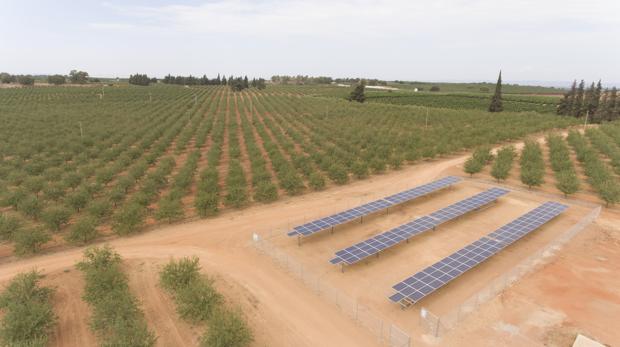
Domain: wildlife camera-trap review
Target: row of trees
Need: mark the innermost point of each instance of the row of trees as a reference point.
(24, 80)
(599, 175)
(503, 164)
(566, 177)
(116, 317)
(198, 302)
(305, 79)
(28, 318)
(600, 105)
(75, 76)
(236, 83)
(532, 164)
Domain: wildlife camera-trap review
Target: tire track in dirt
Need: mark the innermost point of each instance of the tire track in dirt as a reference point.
(158, 306)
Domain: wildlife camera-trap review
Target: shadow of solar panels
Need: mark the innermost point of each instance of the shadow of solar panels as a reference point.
(423, 283)
(378, 243)
(328, 222)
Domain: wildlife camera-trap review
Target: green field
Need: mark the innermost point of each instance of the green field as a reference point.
(454, 97)
(77, 164)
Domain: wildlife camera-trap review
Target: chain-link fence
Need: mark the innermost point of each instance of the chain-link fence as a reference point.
(386, 332)
(439, 325)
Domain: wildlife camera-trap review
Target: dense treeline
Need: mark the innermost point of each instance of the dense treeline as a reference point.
(305, 79)
(141, 80)
(116, 317)
(236, 83)
(27, 312)
(75, 76)
(198, 302)
(598, 104)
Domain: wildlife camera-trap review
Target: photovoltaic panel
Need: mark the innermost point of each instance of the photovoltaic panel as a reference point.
(423, 283)
(371, 207)
(378, 243)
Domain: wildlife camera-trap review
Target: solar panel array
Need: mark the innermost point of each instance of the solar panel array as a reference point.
(371, 207)
(378, 243)
(423, 283)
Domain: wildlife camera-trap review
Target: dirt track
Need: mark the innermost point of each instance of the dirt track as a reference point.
(284, 312)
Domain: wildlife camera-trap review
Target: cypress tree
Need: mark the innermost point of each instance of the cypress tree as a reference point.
(358, 92)
(590, 100)
(566, 104)
(572, 97)
(496, 101)
(579, 96)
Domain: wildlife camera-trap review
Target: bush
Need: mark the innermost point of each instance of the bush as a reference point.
(434, 88)
(206, 204)
(360, 169)
(30, 241)
(316, 181)
(31, 207)
(9, 226)
(197, 301)
(78, 199)
(28, 313)
(567, 182)
(266, 192)
(129, 219)
(472, 166)
(83, 231)
(377, 165)
(338, 174)
(227, 329)
(56, 217)
(100, 208)
(177, 274)
(170, 210)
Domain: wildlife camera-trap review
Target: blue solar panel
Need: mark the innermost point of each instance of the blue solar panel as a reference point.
(378, 243)
(371, 207)
(418, 286)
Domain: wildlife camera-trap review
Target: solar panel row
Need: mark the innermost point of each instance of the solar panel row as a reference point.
(423, 283)
(378, 243)
(371, 207)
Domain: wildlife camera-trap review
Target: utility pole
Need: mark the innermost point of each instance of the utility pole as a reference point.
(585, 124)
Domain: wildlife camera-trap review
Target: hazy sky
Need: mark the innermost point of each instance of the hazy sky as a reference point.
(544, 40)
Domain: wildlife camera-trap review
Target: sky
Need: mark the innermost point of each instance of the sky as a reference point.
(433, 40)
